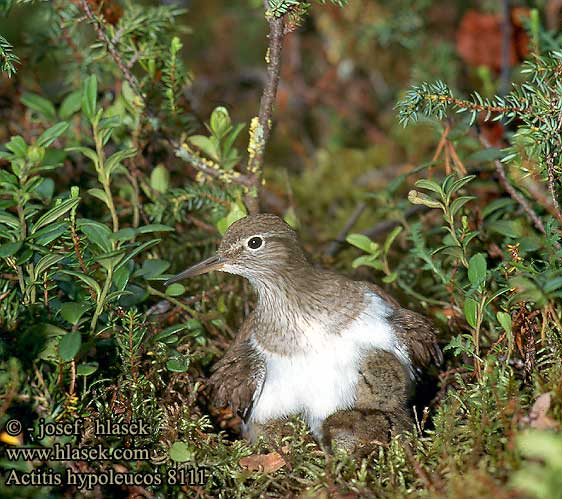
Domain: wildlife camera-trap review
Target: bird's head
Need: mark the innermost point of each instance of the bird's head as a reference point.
(258, 247)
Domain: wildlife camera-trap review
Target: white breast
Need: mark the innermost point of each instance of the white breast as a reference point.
(323, 380)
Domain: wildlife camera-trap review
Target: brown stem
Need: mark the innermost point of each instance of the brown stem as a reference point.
(388, 225)
(473, 106)
(72, 377)
(102, 36)
(260, 131)
(552, 185)
(337, 243)
(534, 187)
(504, 182)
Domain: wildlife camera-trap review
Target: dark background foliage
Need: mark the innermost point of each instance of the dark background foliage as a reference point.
(414, 143)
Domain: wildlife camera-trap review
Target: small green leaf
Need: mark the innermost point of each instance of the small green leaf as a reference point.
(71, 104)
(471, 312)
(46, 262)
(458, 203)
(169, 331)
(9, 249)
(484, 155)
(220, 122)
(145, 229)
(175, 289)
(89, 97)
(291, 218)
(390, 238)
(477, 270)
(126, 234)
(46, 188)
(55, 213)
(136, 251)
(85, 279)
(180, 452)
(49, 233)
(69, 346)
(507, 228)
(18, 146)
(367, 260)
(153, 268)
(160, 179)
(362, 242)
(121, 278)
(135, 295)
(116, 158)
(86, 151)
(99, 194)
(40, 105)
(527, 290)
(505, 321)
(206, 144)
(460, 183)
(72, 312)
(35, 154)
(9, 220)
(86, 369)
(429, 185)
(51, 134)
(96, 233)
(390, 278)
(178, 364)
(237, 211)
(505, 204)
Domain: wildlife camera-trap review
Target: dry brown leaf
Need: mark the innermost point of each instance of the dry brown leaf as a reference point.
(479, 39)
(268, 463)
(537, 417)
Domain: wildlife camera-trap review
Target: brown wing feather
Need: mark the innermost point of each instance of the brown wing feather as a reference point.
(238, 374)
(416, 332)
(419, 336)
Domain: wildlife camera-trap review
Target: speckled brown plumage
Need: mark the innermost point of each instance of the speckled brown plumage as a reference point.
(236, 375)
(380, 410)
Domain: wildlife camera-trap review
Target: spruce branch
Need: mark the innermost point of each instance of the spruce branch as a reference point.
(434, 100)
(260, 127)
(536, 105)
(7, 57)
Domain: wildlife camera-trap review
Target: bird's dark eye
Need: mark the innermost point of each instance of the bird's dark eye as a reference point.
(255, 242)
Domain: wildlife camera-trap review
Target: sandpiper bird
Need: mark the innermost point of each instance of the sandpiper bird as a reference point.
(340, 353)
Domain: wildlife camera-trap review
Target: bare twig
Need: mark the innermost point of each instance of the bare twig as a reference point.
(260, 127)
(387, 225)
(504, 182)
(534, 187)
(102, 36)
(552, 185)
(381, 228)
(337, 243)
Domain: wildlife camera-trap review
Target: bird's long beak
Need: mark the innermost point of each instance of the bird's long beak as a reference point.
(213, 263)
